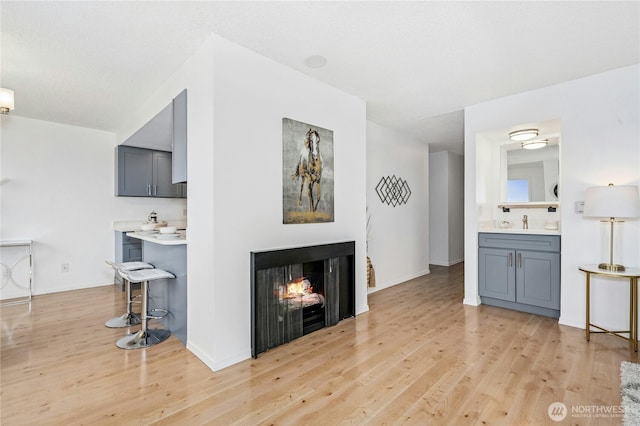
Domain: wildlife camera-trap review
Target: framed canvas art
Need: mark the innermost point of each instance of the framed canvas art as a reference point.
(307, 173)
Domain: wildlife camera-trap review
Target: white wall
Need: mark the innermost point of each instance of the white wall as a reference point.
(57, 188)
(600, 118)
(196, 75)
(456, 208)
(446, 208)
(439, 208)
(251, 96)
(398, 236)
(236, 102)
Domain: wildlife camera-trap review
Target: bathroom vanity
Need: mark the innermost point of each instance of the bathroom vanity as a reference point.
(520, 271)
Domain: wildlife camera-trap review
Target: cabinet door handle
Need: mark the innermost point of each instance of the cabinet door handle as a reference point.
(510, 260)
(519, 260)
(149, 189)
(155, 189)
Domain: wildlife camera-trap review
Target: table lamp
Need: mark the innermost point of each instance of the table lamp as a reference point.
(612, 203)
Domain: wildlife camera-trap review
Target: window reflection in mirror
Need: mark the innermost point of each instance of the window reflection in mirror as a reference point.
(530, 175)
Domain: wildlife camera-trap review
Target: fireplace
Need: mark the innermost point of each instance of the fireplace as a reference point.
(297, 291)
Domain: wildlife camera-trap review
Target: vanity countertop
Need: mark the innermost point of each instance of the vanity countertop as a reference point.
(536, 231)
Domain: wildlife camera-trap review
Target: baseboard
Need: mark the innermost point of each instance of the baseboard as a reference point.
(398, 281)
(213, 364)
(362, 309)
(40, 292)
(450, 263)
(471, 301)
(577, 324)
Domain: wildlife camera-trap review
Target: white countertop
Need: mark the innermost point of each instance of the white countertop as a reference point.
(134, 225)
(536, 231)
(153, 238)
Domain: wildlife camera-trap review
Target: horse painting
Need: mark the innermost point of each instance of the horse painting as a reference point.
(309, 169)
(307, 173)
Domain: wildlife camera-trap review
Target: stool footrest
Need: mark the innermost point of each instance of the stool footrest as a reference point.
(151, 313)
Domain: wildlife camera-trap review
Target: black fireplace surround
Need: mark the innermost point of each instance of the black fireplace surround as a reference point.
(277, 319)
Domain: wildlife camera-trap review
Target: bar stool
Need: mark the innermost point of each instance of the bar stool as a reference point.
(129, 318)
(145, 337)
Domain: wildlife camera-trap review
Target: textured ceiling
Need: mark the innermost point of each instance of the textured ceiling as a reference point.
(416, 64)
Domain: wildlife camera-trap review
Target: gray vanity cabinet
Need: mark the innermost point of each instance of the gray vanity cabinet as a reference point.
(538, 279)
(520, 271)
(143, 172)
(497, 278)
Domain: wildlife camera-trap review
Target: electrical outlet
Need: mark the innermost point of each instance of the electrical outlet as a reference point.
(579, 206)
(184, 212)
(64, 267)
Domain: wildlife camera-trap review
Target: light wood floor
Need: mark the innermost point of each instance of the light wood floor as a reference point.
(418, 357)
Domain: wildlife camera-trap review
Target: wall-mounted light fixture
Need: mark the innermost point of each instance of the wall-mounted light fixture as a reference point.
(612, 203)
(523, 135)
(535, 144)
(6, 101)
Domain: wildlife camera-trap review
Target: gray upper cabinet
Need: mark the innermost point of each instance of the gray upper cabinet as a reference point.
(520, 272)
(145, 173)
(153, 161)
(134, 171)
(162, 176)
(179, 138)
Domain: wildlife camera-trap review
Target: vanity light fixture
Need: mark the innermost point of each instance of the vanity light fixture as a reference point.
(611, 204)
(6, 101)
(523, 135)
(535, 144)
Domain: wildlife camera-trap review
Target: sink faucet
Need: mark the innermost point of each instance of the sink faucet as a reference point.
(525, 222)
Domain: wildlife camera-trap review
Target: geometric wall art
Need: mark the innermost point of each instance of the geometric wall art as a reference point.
(393, 191)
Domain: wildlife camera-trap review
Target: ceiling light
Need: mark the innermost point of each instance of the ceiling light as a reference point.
(6, 100)
(535, 144)
(523, 135)
(315, 61)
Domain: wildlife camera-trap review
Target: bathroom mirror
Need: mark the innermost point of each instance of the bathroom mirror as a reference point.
(529, 175)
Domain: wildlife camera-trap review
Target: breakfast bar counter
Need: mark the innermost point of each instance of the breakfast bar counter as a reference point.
(170, 254)
(158, 238)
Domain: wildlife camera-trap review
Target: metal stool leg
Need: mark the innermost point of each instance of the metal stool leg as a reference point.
(145, 337)
(129, 318)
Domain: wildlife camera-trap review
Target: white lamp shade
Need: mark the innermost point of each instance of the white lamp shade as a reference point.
(612, 201)
(6, 99)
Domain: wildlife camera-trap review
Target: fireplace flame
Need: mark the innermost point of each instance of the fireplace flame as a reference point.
(298, 287)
